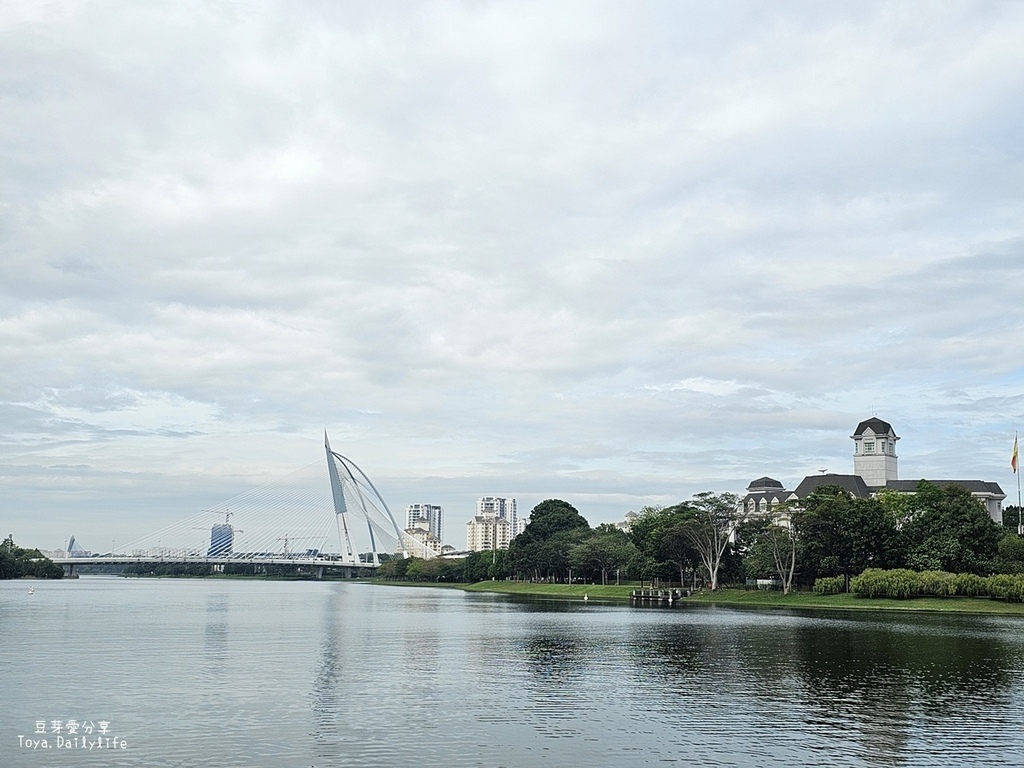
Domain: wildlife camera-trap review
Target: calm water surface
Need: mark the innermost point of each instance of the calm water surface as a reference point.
(267, 674)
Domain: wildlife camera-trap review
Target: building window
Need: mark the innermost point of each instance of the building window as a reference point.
(869, 446)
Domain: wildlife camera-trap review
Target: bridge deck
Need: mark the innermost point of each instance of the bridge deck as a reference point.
(326, 562)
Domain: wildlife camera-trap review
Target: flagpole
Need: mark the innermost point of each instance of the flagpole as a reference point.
(1020, 513)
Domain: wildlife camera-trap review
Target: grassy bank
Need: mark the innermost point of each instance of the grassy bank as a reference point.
(764, 599)
(759, 599)
(597, 591)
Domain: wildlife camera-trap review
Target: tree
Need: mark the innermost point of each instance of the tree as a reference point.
(782, 542)
(605, 549)
(843, 535)
(1011, 517)
(675, 547)
(16, 562)
(663, 549)
(1011, 554)
(543, 546)
(646, 533)
(550, 517)
(396, 568)
(709, 522)
(949, 530)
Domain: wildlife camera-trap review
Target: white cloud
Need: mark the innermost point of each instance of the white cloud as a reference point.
(611, 252)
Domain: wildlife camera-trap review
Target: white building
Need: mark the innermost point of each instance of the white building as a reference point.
(874, 452)
(875, 466)
(420, 532)
(488, 531)
(627, 523)
(502, 507)
(433, 514)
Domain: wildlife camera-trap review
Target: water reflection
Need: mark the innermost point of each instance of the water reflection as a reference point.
(888, 680)
(869, 686)
(554, 659)
(326, 701)
(331, 675)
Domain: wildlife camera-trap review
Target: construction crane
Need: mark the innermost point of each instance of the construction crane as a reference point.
(286, 538)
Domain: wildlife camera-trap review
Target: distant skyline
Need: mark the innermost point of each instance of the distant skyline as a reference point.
(613, 253)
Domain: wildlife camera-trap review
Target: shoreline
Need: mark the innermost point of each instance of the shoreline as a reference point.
(739, 598)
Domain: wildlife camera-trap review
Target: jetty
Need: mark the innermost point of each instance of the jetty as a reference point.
(668, 597)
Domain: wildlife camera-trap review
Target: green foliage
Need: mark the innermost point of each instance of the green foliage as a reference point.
(1010, 557)
(170, 569)
(1011, 518)
(829, 585)
(758, 555)
(542, 549)
(17, 562)
(394, 569)
(970, 585)
(662, 551)
(938, 583)
(903, 583)
(606, 550)
(843, 535)
(875, 582)
(551, 517)
(477, 566)
(1006, 587)
(770, 550)
(1011, 547)
(949, 530)
(708, 522)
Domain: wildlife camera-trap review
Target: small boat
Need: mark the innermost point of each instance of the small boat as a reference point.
(32, 590)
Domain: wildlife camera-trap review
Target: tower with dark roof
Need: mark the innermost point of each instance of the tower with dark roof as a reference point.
(874, 452)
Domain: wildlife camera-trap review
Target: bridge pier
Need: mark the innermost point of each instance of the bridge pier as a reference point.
(319, 573)
(72, 572)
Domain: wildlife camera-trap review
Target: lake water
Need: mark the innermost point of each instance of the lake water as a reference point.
(242, 673)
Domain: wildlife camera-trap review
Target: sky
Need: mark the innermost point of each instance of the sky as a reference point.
(616, 253)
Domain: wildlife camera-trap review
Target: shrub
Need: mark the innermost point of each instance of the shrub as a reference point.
(1009, 587)
(939, 583)
(874, 582)
(829, 585)
(970, 585)
(903, 583)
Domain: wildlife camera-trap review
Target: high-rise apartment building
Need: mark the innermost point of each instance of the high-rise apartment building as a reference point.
(501, 507)
(421, 533)
(488, 531)
(433, 514)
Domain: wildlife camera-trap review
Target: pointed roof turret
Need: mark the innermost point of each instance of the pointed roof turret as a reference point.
(876, 425)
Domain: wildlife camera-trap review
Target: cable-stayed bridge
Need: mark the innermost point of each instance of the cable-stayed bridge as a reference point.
(313, 519)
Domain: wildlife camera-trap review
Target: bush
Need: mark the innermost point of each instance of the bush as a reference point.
(1006, 587)
(829, 585)
(970, 585)
(940, 583)
(903, 583)
(874, 582)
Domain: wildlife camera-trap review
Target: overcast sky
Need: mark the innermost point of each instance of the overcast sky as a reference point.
(616, 253)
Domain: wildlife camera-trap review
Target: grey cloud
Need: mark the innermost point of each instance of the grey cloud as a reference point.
(621, 252)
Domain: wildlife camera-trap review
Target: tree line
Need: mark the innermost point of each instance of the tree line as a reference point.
(16, 562)
(709, 540)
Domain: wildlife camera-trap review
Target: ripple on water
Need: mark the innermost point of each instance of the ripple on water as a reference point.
(271, 674)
